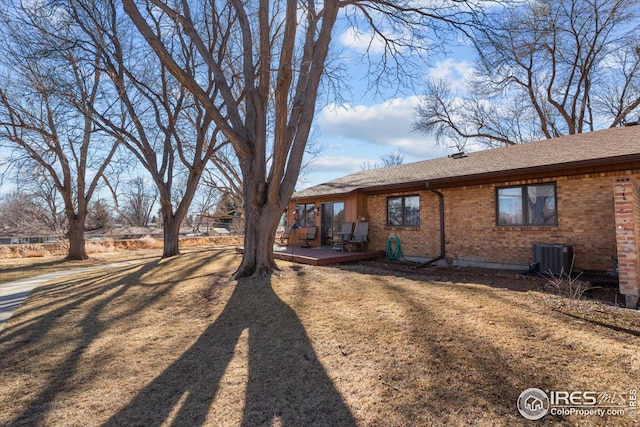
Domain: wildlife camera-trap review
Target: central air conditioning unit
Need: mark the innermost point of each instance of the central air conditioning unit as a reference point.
(552, 258)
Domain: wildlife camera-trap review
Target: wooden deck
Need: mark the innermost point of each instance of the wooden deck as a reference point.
(319, 255)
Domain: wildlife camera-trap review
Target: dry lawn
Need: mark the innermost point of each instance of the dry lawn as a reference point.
(22, 268)
(23, 261)
(174, 342)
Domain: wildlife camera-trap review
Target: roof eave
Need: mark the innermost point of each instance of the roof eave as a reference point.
(567, 167)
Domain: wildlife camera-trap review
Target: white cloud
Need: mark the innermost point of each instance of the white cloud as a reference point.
(375, 43)
(452, 71)
(387, 124)
(336, 164)
(361, 41)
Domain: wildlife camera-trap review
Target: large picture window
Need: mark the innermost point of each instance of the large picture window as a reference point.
(306, 214)
(403, 211)
(527, 205)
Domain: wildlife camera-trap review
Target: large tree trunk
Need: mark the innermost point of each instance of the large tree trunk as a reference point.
(259, 234)
(77, 249)
(173, 220)
(171, 246)
(261, 222)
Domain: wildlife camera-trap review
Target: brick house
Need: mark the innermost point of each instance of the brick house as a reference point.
(489, 208)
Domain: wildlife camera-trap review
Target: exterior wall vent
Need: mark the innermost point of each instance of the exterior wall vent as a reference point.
(552, 258)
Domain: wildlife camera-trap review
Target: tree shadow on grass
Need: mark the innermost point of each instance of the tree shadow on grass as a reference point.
(35, 268)
(472, 375)
(27, 329)
(24, 339)
(500, 279)
(286, 382)
(91, 327)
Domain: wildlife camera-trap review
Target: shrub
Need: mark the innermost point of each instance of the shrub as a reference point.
(568, 286)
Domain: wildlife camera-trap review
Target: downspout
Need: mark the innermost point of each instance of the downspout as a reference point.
(442, 234)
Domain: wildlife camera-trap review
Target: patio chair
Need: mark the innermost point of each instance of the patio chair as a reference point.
(360, 235)
(310, 235)
(342, 237)
(284, 237)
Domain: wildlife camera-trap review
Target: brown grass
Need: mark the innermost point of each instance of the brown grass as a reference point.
(174, 342)
(22, 268)
(39, 250)
(22, 261)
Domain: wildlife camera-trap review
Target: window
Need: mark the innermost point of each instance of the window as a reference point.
(403, 211)
(306, 214)
(527, 205)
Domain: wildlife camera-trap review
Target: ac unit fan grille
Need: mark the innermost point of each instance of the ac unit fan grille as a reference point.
(553, 258)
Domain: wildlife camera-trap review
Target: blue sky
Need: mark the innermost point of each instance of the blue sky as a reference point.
(366, 127)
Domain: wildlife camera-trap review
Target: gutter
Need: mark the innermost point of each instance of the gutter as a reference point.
(442, 231)
(617, 163)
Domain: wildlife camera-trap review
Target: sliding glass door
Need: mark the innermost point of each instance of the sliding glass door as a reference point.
(332, 218)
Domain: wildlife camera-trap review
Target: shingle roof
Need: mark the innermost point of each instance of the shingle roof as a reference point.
(608, 146)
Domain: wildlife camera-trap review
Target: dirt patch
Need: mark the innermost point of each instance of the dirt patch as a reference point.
(174, 342)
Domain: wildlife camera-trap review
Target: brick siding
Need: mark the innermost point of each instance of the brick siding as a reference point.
(586, 220)
(422, 241)
(627, 216)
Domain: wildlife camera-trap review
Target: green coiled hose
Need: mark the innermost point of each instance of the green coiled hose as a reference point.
(393, 251)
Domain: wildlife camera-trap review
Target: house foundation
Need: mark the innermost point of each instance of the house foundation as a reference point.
(627, 219)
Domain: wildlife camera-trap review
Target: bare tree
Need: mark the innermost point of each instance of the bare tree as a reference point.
(21, 213)
(392, 158)
(544, 69)
(202, 207)
(138, 200)
(225, 178)
(162, 124)
(34, 180)
(266, 60)
(47, 93)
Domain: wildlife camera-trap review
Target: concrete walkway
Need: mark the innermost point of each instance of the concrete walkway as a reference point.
(13, 294)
